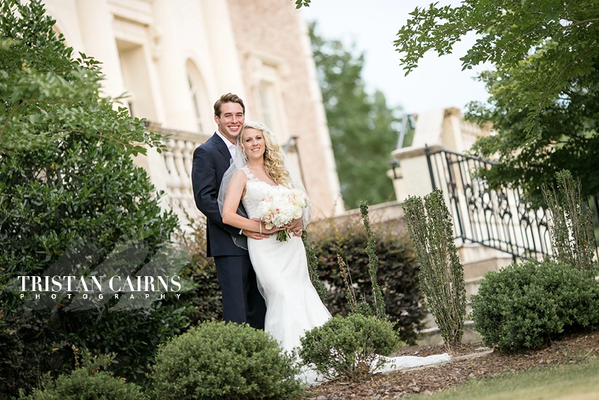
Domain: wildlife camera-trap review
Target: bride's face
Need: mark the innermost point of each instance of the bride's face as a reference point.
(253, 143)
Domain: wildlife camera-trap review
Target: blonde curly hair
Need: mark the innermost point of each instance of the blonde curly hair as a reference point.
(274, 162)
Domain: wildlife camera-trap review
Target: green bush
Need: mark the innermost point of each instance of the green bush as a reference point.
(70, 195)
(348, 346)
(206, 298)
(397, 270)
(88, 383)
(216, 360)
(83, 385)
(524, 306)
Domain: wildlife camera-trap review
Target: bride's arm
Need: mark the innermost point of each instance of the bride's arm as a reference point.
(231, 203)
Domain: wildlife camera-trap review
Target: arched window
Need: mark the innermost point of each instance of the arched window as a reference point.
(197, 95)
(266, 80)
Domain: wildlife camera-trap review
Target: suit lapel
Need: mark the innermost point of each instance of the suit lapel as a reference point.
(222, 148)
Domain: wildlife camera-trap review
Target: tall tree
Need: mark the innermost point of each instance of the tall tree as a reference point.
(72, 204)
(544, 98)
(363, 128)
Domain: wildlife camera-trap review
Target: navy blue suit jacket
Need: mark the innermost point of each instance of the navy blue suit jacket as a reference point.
(210, 161)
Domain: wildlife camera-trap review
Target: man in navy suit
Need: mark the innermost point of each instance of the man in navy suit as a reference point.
(242, 301)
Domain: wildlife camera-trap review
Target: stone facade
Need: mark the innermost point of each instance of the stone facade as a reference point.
(175, 58)
(282, 88)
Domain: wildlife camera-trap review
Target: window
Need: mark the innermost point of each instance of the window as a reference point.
(197, 95)
(266, 79)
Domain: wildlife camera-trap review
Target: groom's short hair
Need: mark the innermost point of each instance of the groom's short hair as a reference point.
(227, 98)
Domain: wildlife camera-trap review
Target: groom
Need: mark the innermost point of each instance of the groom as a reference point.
(242, 301)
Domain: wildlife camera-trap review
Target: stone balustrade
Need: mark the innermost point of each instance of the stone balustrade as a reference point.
(175, 178)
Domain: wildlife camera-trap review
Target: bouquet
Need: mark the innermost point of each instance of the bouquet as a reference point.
(281, 206)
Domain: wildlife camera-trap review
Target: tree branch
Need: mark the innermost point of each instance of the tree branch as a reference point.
(542, 103)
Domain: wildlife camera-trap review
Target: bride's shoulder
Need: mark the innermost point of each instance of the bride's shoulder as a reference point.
(241, 175)
(245, 170)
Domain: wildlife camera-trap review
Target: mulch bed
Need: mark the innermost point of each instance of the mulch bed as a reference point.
(469, 361)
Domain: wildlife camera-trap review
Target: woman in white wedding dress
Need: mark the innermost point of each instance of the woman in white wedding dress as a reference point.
(292, 303)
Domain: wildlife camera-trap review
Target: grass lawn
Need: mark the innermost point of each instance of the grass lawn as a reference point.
(569, 381)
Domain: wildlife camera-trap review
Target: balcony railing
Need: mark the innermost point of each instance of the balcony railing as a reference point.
(498, 219)
(174, 171)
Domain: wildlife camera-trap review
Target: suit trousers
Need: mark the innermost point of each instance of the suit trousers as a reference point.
(241, 302)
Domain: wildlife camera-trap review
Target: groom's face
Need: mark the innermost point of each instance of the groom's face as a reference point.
(230, 121)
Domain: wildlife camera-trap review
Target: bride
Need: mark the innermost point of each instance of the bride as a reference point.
(292, 303)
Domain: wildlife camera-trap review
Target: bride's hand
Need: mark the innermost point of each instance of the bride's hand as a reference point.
(270, 231)
(262, 233)
(295, 227)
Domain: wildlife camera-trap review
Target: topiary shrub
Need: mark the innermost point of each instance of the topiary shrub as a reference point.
(88, 382)
(524, 306)
(348, 346)
(396, 273)
(216, 360)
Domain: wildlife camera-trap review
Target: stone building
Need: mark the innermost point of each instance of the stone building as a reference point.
(175, 58)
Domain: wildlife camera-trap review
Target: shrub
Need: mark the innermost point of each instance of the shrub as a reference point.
(26, 344)
(216, 360)
(70, 194)
(524, 306)
(396, 272)
(349, 346)
(206, 298)
(572, 235)
(87, 383)
(441, 273)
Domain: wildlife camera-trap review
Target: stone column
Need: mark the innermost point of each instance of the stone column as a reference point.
(99, 42)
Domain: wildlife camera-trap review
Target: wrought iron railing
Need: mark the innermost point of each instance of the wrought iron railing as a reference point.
(498, 219)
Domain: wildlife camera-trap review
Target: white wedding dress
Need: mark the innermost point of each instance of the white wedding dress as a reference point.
(292, 303)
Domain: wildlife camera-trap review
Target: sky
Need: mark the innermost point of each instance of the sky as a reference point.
(372, 26)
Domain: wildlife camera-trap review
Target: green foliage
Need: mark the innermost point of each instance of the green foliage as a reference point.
(544, 101)
(47, 96)
(88, 382)
(313, 268)
(566, 138)
(525, 306)
(34, 342)
(26, 351)
(67, 209)
(377, 309)
(349, 346)
(72, 202)
(510, 34)
(441, 273)
(337, 243)
(363, 128)
(206, 298)
(216, 360)
(572, 236)
(302, 3)
(373, 264)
